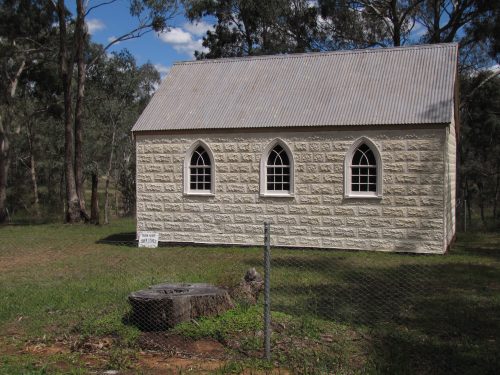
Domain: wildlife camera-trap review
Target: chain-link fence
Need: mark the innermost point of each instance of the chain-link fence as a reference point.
(80, 289)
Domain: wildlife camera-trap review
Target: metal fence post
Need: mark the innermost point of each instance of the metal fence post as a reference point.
(267, 291)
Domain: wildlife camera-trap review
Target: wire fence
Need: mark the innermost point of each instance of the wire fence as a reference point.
(262, 297)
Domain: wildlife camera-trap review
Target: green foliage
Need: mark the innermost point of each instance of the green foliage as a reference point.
(256, 27)
(480, 147)
(241, 319)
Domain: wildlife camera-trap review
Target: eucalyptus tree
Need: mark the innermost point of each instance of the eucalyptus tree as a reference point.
(25, 32)
(151, 15)
(366, 23)
(480, 146)
(118, 92)
(253, 27)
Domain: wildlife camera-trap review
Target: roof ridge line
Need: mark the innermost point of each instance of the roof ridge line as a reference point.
(225, 60)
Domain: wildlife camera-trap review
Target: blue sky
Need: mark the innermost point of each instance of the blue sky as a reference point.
(177, 44)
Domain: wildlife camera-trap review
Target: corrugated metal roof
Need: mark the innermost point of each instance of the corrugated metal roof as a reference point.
(403, 85)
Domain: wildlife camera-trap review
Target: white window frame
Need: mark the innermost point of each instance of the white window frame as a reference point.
(263, 171)
(187, 170)
(348, 193)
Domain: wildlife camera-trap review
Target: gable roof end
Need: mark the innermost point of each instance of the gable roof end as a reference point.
(402, 85)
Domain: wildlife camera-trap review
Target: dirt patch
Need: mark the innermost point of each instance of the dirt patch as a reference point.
(159, 364)
(175, 345)
(45, 349)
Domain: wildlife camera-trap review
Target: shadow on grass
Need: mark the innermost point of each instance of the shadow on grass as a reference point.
(425, 316)
(120, 239)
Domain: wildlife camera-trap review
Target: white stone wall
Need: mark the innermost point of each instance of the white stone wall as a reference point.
(450, 181)
(409, 217)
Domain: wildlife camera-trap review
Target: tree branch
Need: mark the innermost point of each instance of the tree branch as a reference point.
(136, 33)
(98, 5)
(15, 79)
(479, 85)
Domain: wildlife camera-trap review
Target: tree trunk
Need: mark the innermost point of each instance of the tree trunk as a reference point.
(108, 175)
(62, 192)
(34, 184)
(116, 194)
(80, 61)
(79, 42)
(436, 34)
(36, 200)
(5, 124)
(94, 205)
(65, 72)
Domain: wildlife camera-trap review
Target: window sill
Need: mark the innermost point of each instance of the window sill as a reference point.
(362, 196)
(277, 195)
(199, 194)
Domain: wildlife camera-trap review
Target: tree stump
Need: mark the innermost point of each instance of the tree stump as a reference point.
(249, 288)
(163, 306)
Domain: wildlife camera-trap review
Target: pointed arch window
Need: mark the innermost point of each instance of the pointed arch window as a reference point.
(277, 170)
(199, 170)
(363, 172)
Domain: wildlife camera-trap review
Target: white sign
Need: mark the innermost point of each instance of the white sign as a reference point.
(148, 239)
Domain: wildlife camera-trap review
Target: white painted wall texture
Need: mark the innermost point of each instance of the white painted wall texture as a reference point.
(450, 183)
(409, 217)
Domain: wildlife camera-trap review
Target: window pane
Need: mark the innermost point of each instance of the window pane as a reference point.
(363, 148)
(206, 158)
(278, 176)
(356, 160)
(284, 157)
(200, 170)
(364, 179)
(194, 158)
(371, 158)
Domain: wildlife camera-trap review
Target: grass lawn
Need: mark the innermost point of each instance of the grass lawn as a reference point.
(63, 302)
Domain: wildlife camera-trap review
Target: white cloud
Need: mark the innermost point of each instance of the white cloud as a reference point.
(94, 25)
(176, 36)
(183, 41)
(198, 28)
(162, 69)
